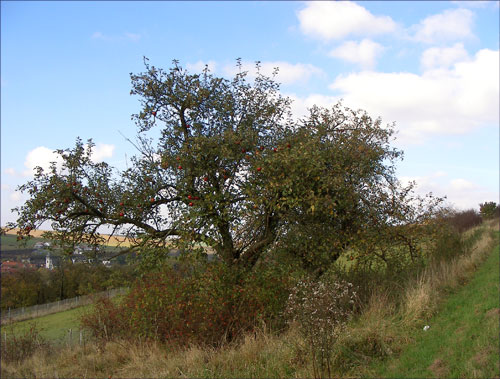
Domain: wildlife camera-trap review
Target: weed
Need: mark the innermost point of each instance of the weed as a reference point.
(16, 348)
(321, 309)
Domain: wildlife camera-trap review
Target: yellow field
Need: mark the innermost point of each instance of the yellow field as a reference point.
(111, 241)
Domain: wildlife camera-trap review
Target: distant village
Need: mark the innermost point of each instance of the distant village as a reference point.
(42, 256)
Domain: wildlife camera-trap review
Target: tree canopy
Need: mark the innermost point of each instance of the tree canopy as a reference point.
(233, 172)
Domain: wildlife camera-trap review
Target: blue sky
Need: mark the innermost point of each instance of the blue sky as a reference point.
(430, 67)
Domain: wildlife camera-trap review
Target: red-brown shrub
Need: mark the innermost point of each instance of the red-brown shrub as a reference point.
(105, 320)
(208, 305)
(463, 220)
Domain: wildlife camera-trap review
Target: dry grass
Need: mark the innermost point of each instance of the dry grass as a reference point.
(423, 294)
(384, 327)
(261, 355)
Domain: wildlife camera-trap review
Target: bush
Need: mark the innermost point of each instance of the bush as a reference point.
(447, 244)
(203, 305)
(105, 321)
(489, 209)
(463, 220)
(17, 348)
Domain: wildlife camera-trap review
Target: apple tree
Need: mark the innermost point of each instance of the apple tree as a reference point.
(223, 167)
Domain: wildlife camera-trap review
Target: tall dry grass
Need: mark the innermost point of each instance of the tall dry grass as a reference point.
(261, 355)
(385, 326)
(424, 293)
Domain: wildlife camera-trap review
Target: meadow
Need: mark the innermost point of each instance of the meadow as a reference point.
(457, 298)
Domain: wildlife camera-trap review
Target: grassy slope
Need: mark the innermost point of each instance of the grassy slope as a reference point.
(462, 341)
(53, 327)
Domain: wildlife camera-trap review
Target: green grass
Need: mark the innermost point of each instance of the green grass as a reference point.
(463, 339)
(9, 242)
(53, 327)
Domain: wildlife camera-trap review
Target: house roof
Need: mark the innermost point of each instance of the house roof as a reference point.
(10, 266)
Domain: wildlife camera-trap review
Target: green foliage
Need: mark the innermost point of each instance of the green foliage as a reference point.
(489, 209)
(28, 287)
(447, 245)
(232, 172)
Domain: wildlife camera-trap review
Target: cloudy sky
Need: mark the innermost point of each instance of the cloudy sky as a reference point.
(430, 67)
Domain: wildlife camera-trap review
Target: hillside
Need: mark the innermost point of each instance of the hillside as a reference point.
(457, 299)
(462, 340)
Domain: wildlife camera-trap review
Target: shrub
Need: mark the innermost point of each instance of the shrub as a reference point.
(206, 305)
(17, 348)
(321, 309)
(489, 209)
(105, 321)
(463, 220)
(447, 244)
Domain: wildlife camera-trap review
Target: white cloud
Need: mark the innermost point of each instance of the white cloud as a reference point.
(443, 57)
(452, 24)
(329, 20)
(460, 193)
(363, 53)
(199, 66)
(300, 105)
(441, 101)
(101, 151)
(462, 185)
(15, 196)
(42, 157)
(134, 37)
(97, 35)
(10, 171)
(288, 73)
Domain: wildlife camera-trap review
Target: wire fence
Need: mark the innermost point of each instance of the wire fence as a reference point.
(26, 313)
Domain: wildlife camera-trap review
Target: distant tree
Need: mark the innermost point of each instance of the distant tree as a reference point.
(233, 172)
(489, 209)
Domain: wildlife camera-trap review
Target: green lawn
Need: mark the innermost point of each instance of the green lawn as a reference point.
(463, 339)
(53, 327)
